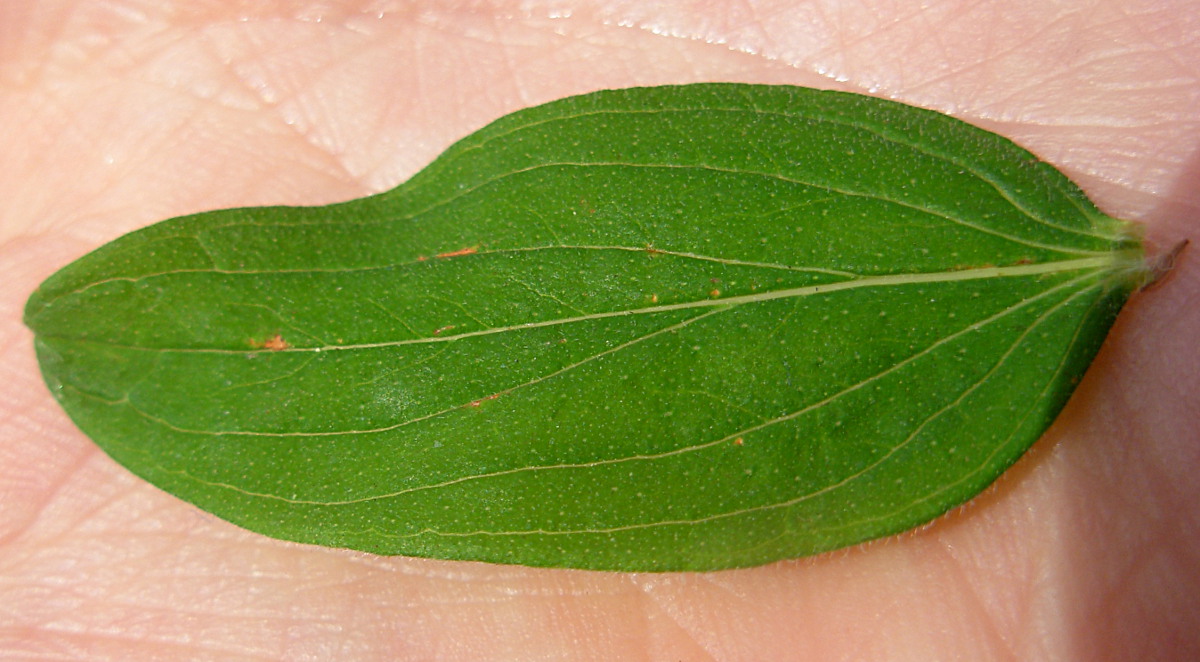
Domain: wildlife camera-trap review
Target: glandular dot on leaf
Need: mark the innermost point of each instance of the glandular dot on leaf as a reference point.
(674, 328)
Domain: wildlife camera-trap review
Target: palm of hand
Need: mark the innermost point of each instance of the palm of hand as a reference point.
(1086, 550)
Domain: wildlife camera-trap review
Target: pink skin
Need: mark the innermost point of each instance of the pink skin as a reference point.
(121, 113)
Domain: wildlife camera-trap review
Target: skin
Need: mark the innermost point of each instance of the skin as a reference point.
(123, 113)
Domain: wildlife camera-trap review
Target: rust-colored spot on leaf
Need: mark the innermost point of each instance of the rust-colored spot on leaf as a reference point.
(275, 343)
(438, 331)
(477, 403)
(460, 252)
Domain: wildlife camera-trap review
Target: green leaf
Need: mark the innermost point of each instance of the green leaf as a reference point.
(670, 328)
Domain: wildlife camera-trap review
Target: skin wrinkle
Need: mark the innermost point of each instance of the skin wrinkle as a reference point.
(652, 601)
(336, 146)
(171, 647)
(241, 75)
(49, 491)
(80, 511)
(1121, 588)
(344, 172)
(982, 616)
(740, 616)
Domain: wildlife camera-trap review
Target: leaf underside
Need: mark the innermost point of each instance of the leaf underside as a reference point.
(675, 328)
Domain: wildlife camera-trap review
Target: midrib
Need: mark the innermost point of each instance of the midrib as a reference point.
(1098, 263)
(1103, 262)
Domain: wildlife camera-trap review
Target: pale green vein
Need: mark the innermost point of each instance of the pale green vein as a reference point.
(432, 297)
(772, 422)
(466, 191)
(743, 511)
(424, 260)
(987, 462)
(878, 131)
(673, 452)
(1000, 187)
(790, 180)
(395, 426)
(1105, 262)
(396, 318)
(652, 250)
(262, 382)
(547, 296)
(284, 321)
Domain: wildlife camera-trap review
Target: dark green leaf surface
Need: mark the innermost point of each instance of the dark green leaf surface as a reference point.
(669, 328)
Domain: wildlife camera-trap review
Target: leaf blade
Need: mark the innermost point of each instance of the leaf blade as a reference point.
(646, 329)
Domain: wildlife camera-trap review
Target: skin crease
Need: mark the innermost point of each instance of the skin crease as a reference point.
(122, 113)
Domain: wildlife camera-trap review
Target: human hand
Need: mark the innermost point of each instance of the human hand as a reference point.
(120, 114)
